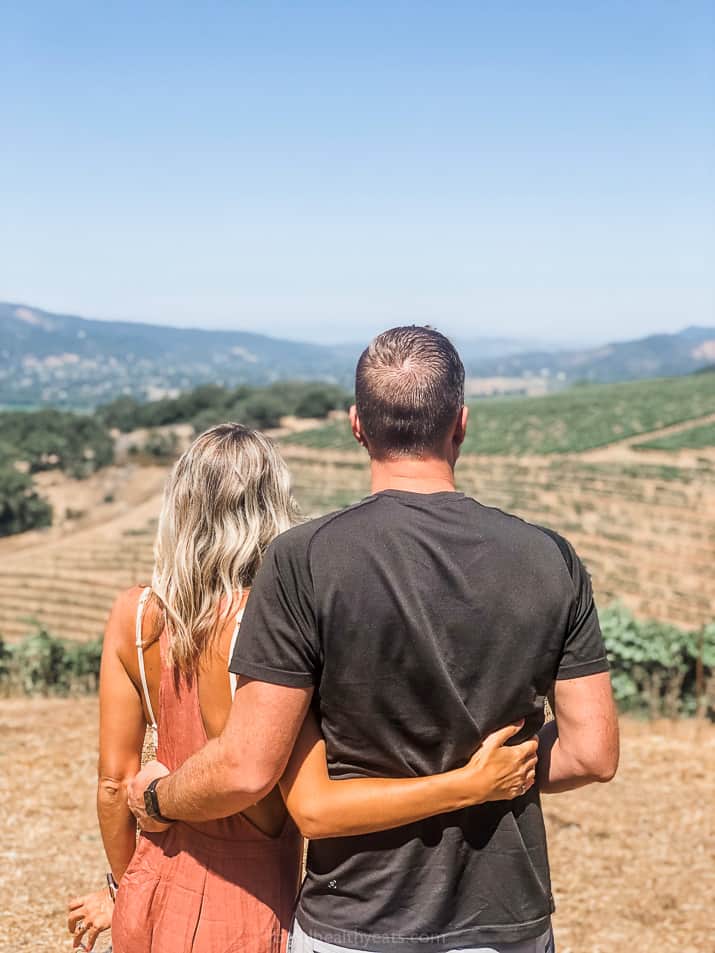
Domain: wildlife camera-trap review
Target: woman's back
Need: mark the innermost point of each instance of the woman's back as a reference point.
(215, 886)
(188, 712)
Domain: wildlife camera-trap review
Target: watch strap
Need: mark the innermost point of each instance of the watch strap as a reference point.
(151, 803)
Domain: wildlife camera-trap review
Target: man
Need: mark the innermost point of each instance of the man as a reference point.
(417, 621)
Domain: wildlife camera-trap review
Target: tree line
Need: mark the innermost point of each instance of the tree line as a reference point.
(203, 407)
(79, 444)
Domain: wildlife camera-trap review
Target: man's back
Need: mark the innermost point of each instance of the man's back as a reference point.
(424, 621)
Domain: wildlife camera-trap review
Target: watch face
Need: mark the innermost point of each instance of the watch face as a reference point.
(149, 805)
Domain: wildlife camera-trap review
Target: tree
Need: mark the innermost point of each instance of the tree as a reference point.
(261, 410)
(21, 507)
(319, 399)
(54, 439)
(122, 413)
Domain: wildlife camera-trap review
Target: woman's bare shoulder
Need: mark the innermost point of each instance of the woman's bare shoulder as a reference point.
(122, 618)
(126, 604)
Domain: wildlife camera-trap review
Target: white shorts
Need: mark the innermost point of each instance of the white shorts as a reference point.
(300, 942)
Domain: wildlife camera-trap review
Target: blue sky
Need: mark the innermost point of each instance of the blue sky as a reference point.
(322, 170)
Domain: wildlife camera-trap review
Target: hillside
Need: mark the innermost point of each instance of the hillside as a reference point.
(67, 361)
(643, 519)
(572, 421)
(659, 355)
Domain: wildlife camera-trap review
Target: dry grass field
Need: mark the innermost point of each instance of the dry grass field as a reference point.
(633, 862)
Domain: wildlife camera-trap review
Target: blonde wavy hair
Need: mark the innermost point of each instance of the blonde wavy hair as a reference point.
(226, 500)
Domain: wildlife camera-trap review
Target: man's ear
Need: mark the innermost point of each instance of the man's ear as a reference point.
(356, 428)
(460, 428)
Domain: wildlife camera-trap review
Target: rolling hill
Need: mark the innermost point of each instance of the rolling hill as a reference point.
(659, 355)
(67, 361)
(572, 421)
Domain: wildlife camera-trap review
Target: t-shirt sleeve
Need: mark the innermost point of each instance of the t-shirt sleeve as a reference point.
(278, 639)
(584, 651)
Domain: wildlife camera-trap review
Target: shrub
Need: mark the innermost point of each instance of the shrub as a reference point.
(43, 665)
(653, 664)
(159, 446)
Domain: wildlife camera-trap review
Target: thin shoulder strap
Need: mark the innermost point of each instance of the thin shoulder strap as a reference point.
(140, 658)
(233, 679)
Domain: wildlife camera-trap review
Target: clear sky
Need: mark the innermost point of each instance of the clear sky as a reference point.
(321, 170)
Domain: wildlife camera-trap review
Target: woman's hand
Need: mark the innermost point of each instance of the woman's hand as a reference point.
(89, 916)
(500, 772)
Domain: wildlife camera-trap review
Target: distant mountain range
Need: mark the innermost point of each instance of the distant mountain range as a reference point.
(65, 360)
(659, 355)
(69, 361)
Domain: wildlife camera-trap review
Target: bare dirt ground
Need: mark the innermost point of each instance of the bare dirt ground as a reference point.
(633, 862)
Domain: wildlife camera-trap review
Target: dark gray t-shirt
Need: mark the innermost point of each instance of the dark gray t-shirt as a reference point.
(424, 622)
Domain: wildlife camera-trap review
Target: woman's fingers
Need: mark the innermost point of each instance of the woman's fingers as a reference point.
(77, 916)
(497, 738)
(78, 933)
(89, 916)
(91, 938)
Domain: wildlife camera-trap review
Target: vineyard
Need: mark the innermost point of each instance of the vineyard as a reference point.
(66, 577)
(690, 438)
(646, 531)
(643, 519)
(570, 422)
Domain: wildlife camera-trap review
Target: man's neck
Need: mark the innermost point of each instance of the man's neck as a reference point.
(412, 474)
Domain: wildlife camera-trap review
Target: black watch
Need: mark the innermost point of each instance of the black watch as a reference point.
(151, 803)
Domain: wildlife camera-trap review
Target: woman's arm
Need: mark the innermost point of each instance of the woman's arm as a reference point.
(121, 736)
(322, 807)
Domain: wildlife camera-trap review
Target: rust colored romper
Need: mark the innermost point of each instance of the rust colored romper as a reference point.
(215, 887)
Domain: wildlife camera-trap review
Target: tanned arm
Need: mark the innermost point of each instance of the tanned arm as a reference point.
(121, 736)
(236, 769)
(322, 807)
(581, 745)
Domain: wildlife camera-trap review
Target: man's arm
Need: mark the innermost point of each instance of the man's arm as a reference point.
(238, 768)
(581, 745)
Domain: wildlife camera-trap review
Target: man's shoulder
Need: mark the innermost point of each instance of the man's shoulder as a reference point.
(298, 539)
(532, 539)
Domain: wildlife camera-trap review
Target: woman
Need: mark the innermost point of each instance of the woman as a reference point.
(227, 885)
